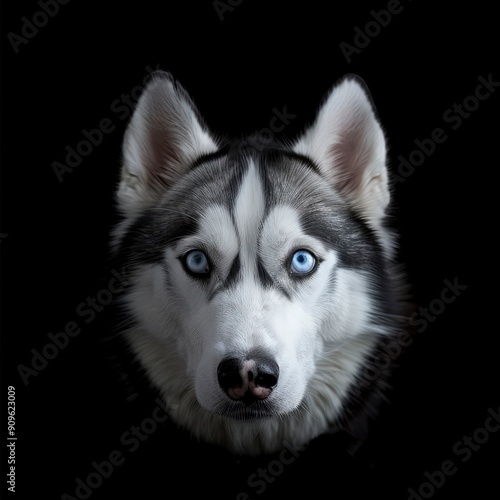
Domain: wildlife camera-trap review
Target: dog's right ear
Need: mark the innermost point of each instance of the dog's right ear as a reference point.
(165, 135)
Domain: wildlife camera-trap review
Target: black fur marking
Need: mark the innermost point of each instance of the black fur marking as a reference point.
(148, 237)
(276, 155)
(234, 273)
(264, 276)
(204, 158)
(347, 234)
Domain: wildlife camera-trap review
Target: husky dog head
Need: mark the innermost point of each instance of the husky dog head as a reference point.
(260, 279)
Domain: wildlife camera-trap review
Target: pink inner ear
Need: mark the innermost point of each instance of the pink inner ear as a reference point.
(162, 148)
(350, 156)
(161, 157)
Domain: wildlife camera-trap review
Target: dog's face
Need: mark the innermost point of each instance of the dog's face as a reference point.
(255, 276)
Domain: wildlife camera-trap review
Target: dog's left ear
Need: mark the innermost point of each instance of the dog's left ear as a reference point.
(348, 144)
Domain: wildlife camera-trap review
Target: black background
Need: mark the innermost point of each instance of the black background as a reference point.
(259, 56)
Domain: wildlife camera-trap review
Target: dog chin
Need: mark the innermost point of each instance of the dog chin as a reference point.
(242, 411)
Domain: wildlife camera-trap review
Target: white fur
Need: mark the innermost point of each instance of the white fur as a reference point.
(248, 211)
(183, 335)
(319, 336)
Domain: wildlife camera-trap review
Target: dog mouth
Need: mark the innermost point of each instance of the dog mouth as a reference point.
(246, 409)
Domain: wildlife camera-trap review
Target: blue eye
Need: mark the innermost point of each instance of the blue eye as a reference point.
(197, 262)
(303, 262)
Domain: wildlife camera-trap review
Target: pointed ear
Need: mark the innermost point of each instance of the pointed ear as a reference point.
(348, 144)
(165, 135)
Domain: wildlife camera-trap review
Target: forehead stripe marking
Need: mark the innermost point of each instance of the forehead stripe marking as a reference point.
(249, 208)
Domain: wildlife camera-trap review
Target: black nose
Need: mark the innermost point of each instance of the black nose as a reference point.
(248, 379)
